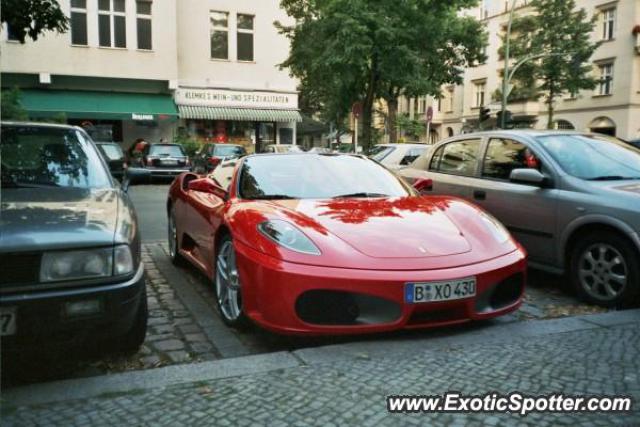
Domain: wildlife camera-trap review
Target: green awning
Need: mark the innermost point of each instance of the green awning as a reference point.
(238, 114)
(98, 105)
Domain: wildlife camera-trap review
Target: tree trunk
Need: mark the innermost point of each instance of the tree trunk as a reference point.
(392, 122)
(550, 109)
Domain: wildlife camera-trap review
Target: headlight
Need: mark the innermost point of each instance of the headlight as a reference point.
(86, 264)
(289, 236)
(496, 228)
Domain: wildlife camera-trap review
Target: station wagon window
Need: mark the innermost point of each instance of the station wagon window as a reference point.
(457, 158)
(505, 155)
(411, 155)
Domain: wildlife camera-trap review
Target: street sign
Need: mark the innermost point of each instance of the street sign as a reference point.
(429, 114)
(356, 109)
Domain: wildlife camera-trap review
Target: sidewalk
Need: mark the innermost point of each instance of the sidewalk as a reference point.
(347, 384)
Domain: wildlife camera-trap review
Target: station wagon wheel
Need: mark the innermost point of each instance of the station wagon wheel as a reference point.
(228, 285)
(605, 270)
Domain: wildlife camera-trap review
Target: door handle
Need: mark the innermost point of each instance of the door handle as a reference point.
(480, 195)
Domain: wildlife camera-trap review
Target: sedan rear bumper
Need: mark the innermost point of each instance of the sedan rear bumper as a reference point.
(294, 299)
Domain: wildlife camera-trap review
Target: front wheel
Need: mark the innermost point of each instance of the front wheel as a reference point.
(228, 285)
(605, 270)
(134, 338)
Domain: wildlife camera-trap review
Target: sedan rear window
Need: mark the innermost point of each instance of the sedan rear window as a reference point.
(166, 150)
(112, 151)
(34, 156)
(228, 151)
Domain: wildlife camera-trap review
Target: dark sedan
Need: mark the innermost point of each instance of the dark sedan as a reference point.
(211, 155)
(70, 244)
(114, 156)
(161, 160)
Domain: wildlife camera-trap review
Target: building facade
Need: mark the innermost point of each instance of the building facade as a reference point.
(612, 108)
(156, 69)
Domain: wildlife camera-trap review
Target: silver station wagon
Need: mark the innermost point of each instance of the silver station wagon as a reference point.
(571, 199)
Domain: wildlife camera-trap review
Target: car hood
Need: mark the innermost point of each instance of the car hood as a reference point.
(409, 233)
(41, 219)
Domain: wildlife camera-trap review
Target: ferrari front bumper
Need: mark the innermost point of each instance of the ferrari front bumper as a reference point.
(290, 298)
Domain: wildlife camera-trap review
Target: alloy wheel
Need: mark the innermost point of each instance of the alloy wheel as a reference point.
(603, 272)
(228, 283)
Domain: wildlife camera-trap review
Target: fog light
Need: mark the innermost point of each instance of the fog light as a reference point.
(82, 308)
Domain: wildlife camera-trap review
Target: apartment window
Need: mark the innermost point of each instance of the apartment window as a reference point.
(245, 37)
(450, 99)
(143, 22)
(78, 22)
(608, 23)
(606, 79)
(479, 90)
(11, 35)
(112, 27)
(219, 35)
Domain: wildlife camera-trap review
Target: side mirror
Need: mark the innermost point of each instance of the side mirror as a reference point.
(206, 185)
(422, 185)
(528, 177)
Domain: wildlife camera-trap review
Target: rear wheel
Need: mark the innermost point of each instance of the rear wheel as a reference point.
(228, 285)
(605, 270)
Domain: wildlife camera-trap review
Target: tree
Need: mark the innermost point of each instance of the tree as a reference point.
(31, 18)
(344, 51)
(562, 33)
(11, 107)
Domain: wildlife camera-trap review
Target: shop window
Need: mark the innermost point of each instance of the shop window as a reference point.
(245, 37)
(143, 20)
(219, 35)
(112, 31)
(78, 22)
(286, 136)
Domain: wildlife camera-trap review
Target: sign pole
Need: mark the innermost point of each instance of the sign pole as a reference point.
(355, 146)
(429, 119)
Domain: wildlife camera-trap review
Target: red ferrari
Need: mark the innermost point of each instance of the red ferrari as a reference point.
(336, 244)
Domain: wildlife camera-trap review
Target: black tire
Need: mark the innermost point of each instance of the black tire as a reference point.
(172, 239)
(241, 322)
(133, 339)
(591, 276)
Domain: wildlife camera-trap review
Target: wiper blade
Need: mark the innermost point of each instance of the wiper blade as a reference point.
(18, 184)
(613, 178)
(360, 195)
(274, 197)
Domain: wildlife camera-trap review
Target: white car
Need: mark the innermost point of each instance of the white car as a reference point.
(396, 156)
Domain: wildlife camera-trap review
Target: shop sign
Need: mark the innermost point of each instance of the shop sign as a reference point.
(236, 98)
(142, 117)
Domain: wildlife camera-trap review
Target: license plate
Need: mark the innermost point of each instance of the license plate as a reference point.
(170, 162)
(7, 321)
(416, 293)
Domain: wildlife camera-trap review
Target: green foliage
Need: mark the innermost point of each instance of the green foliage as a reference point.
(343, 51)
(411, 127)
(559, 29)
(31, 18)
(190, 145)
(11, 107)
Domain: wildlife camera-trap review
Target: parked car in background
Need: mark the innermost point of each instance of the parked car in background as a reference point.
(572, 199)
(162, 160)
(346, 247)
(114, 156)
(396, 156)
(211, 155)
(320, 150)
(69, 247)
(281, 148)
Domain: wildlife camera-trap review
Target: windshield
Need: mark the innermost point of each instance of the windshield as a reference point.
(57, 157)
(228, 151)
(324, 177)
(593, 157)
(166, 150)
(379, 152)
(112, 151)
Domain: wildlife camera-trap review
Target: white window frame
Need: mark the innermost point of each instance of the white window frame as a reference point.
(450, 100)
(148, 17)
(86, 15)
(605, 86)
(245, 31)
(609, 18)
(213, 28)
(479, 93)
(112, 23)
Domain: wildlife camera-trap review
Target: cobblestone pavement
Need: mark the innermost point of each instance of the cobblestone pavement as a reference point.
(184, 325)
(352, 391)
